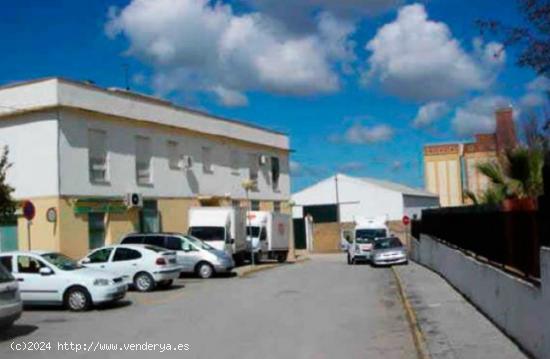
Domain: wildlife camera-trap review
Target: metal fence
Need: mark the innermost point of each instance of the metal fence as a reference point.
(510, 240)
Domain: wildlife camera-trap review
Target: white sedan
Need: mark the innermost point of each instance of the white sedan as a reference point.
(143, 266)
(52, 278)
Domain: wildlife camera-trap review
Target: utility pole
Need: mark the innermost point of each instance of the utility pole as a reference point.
(338, 211)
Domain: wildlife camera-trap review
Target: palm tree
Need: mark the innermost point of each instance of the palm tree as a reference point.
(518, 174)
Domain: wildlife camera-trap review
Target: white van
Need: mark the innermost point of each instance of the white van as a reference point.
(268, 234)
(223, 228)
(365, 232)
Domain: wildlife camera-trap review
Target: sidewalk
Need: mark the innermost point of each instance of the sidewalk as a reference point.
(451, 326)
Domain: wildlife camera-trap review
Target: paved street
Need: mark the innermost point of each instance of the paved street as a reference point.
(321, 308)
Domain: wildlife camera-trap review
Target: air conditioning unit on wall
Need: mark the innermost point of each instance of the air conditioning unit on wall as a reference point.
(263, 160)
(133, 200)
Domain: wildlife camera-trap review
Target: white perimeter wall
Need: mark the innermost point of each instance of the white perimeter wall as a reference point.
(167, 182)
(519, 308)
(32, 142)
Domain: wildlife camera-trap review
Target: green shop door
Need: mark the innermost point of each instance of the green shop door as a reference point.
(149, 219)
(8, 237)
(96, 230)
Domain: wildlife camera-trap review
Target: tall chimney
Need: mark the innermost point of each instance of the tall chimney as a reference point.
(506, 129)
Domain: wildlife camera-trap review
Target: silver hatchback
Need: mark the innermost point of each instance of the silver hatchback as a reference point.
(11, 305)
(388, 250)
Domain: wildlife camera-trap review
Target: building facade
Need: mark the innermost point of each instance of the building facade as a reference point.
(451, 169)
(79, 150)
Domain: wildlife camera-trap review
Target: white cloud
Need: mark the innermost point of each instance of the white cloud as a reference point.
(297, 16)
(430, 113)
(359, 134)
(300, 170)
(537, 93)
(478, 115)
(195, 45)
(417, 58)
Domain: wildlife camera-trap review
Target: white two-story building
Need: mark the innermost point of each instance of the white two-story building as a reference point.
(79, 150)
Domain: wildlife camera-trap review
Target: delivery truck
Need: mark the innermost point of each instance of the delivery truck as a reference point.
(268, 235)
(223, 228)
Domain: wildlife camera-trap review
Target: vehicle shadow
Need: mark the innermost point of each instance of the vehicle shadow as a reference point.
(59, 308)
(17, 330)
(172, 288)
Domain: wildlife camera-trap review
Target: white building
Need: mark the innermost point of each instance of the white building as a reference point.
(358, 197)
(79, 149)
(365, 197)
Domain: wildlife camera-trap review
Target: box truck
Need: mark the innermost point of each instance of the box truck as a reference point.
(366, 232)
(268, 235)
(223, 228)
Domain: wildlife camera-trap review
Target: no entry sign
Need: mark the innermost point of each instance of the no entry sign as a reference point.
(28, 210)
(406, 220)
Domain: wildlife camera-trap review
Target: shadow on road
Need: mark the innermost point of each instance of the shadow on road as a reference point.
(16, 331)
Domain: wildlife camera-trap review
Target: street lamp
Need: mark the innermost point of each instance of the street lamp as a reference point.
(249, 185)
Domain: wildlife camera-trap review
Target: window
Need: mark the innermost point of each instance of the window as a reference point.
(208, 233)
(149, 217)
(26, 264)
(207, 160)
(96, 230)
(143, 160)
(275, 173)
(5, 276)
(97, 156)
(277, 206)
(173, 243)
(132, 240)
(100, 256)
(234, 162)
(6, 262)
(174, 157)
(154, 241)
(253, 167)
(254, 205)
(125, 254)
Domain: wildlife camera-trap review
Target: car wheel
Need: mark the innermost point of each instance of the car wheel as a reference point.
(205, 270)
(78, 299)
(281, 258)
(144, 282)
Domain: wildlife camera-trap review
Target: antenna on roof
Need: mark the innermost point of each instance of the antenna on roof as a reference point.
(126, 67)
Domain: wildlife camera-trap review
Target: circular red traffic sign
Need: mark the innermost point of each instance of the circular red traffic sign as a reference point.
(406, 220)
(28, 210)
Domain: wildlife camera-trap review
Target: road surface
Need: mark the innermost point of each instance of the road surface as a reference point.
(321, 308)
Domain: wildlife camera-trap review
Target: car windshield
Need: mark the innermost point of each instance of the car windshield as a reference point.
(387, 243)
(208, 233)
(254, 230)
(198, 243)
(5, 276)
(61, 261)
(367, 235)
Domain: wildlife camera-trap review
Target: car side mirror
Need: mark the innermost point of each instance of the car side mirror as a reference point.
(45, 271)
(230, 241)
(85, 260)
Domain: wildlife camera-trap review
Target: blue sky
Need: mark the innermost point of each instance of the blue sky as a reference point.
(345, 79)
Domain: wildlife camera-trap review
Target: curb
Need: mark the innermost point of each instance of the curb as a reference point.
(418, 337)
(258, 268)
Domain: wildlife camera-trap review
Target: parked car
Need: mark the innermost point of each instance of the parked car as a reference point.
(142, 266)
(11, 305)
(366, 231)
(388, 250)
(193, 255)
(53, 278)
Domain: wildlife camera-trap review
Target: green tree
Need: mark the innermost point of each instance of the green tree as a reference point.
(7, 204)
(518, 174)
